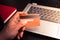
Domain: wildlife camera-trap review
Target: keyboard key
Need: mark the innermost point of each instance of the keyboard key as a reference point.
(46, 14)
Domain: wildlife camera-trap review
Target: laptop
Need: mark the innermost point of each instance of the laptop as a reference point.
(49, 20)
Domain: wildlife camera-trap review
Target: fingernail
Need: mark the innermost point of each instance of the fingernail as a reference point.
(23, 28)
(21, 34)
(18, 37)
(24, 22)
(18, 19)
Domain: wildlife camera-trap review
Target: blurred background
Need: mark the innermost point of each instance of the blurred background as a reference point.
(21, 4)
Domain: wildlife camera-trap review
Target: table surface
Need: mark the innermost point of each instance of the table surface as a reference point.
(33, 36)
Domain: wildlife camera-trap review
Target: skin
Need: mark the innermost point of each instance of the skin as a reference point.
(14, 27)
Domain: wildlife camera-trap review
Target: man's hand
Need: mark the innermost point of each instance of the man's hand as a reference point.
(13, 25)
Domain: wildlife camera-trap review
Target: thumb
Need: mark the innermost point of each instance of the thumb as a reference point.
(21, 24)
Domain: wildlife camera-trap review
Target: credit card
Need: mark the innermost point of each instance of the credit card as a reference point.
(33, 20)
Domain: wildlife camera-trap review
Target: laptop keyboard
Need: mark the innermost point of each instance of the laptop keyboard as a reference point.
(46, 14)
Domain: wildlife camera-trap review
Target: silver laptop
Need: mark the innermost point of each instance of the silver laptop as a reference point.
(49, 20)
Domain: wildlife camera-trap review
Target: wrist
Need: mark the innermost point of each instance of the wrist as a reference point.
(4, 35)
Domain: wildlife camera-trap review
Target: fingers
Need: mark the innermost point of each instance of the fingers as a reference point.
(22, 13)
(16, 17)
(20, 34)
